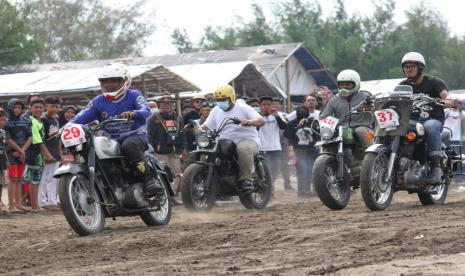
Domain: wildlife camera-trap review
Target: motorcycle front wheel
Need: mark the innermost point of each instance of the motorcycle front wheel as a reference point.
(163, 215)
(259, 198)
(335, 194)
(81, 209)
(197, 194)
(376, 192)
(437, 195)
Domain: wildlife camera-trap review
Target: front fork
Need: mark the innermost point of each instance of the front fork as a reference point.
(340, 154)
(392, 157)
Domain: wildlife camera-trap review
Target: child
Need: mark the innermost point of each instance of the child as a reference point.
(3, 157)
(18, 139)
(48, 184)
(37, 153)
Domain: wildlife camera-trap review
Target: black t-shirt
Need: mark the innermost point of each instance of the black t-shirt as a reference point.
(190, 136)
(51, 127)
(431, 86)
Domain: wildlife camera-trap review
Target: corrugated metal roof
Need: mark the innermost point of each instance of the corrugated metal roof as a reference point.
(156, 77)
(267, 57)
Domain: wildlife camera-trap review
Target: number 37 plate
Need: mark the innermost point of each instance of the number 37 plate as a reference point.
(73, 135)
(387, 119)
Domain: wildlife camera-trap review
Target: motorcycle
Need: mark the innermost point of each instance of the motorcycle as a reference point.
(214, 173)
(336, 170)
(398, 159)
(95, 182)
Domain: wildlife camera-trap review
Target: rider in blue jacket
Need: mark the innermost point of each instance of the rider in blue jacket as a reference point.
(118, 99)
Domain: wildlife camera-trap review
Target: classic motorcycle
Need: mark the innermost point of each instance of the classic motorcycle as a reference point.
(215, 173)
(95, 182)
(398, 159)
(336, 170)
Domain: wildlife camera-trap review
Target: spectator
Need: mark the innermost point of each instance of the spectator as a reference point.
(453, 118)
(194, 114)
(37, 154)
(316, 92)
(301, 145)
(3, 157)
(284, 166)
(66, 114)
(165, 135)
(270, 145)
(18, 139)
(48, 184)
(153, 107)
(311, 103)
(32, 97)
(326, 94)
(255, 103)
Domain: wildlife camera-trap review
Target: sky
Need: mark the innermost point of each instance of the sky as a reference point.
(194, 16)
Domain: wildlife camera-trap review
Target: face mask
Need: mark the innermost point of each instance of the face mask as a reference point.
(222, 105)
(154, 110)
(257, 108)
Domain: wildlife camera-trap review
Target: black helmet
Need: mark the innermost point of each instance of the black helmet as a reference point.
(226, 148)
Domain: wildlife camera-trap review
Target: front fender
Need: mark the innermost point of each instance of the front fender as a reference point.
(376, 148)
(71, 168)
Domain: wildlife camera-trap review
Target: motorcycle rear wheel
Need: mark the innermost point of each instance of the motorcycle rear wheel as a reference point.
(259, 198)
(196, 196)
(162, 216)
(376, 192)
(334, 195)
(84, 218)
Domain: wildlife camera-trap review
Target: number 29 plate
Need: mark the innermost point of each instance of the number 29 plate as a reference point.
(387, 119)
(73, 135)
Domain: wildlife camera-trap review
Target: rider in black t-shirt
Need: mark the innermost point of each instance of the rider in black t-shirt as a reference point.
(413, 64)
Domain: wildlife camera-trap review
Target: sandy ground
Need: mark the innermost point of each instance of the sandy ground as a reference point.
(291, 237)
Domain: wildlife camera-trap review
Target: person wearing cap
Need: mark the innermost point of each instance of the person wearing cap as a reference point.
(194, 114)
(270, 144)
(254, 103)
(165, 133)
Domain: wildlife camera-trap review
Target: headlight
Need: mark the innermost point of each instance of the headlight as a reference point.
(203, 141)
(420, 129)
(326, 133)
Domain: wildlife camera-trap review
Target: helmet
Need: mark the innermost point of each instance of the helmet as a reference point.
(226, 91)
(115, 71)
(414, 57)
(349, 75)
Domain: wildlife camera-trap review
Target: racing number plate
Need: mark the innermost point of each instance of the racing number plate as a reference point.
(73, 135)
(387, 119)
(329, 122)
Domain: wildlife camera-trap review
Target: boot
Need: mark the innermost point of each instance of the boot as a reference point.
(247, 186)
(151, 186)
(435, 172)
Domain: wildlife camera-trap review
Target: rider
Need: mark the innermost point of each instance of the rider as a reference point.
(350, 96)
(119, 99)
(245, 135)
(413, 64)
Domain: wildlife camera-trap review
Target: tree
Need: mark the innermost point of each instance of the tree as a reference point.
(16, 45)
(86, 29)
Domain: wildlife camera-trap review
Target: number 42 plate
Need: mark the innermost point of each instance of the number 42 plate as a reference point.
(387, 119)
(73, 135)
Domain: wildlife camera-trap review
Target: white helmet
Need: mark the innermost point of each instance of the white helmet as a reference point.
(349, 75)
(115, 71)
(414, 57)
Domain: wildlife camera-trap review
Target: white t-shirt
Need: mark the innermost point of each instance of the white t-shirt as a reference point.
(293, 115)
(453, 121)
(232, 131)
(269, 134)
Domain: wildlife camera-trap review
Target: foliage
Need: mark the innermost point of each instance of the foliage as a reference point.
(372, 45)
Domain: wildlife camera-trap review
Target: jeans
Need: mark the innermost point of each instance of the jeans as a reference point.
(273, 162)
(246, 151)
(433, 129)
(305, 157)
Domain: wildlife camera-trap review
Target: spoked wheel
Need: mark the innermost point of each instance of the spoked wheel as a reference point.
(376, 191)
(163, 215)
(259, 198)
(197, 195)
(81, 209)
(436, 194)
(333, 192)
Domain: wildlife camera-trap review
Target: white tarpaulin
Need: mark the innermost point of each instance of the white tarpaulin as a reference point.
(380, 86)
(84, 80)
(209, 76)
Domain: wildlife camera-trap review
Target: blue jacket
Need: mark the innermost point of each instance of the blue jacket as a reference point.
(100, 109)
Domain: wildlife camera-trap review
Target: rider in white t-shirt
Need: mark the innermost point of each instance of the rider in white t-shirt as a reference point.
(244, 135)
